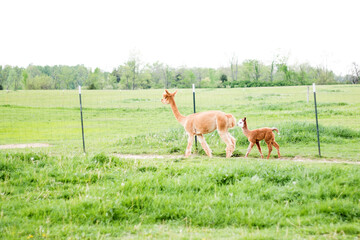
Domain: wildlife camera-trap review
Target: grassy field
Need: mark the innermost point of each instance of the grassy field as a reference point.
(104, 197)
(137, 122)
(60, 193)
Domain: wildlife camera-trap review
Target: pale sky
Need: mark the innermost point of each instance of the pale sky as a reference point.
(193, 33)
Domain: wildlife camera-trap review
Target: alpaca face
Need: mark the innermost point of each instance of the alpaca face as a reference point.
(167, 96)
(165, 99)
(240, 123)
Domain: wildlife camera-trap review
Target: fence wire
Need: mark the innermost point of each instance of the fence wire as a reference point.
(53, 117)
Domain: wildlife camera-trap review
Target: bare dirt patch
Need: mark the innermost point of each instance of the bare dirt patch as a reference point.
(300, 159)
(27, 145)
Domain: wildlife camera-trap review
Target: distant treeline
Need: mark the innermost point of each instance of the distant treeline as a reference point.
(134, 75)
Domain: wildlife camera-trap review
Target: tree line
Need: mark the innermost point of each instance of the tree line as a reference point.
(135, 75)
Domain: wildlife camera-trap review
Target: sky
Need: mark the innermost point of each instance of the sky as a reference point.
(192, 33)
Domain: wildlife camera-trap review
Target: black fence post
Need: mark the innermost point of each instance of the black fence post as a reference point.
(193, 87)
(316, 114)
(82, 124)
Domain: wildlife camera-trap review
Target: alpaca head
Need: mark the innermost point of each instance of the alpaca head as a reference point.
(242, 122)
(167, 96)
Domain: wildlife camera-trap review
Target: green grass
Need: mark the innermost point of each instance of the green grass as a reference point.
(113, 117)
(102, 196)
(60, 193)
(296, 139)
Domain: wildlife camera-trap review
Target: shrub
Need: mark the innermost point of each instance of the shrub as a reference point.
(40, 82)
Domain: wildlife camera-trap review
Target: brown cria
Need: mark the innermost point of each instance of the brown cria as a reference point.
(255, 136)
(198, 124)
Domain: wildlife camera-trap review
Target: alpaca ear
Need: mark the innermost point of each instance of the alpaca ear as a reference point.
(244, 118)
(167, 91)
(174, 93)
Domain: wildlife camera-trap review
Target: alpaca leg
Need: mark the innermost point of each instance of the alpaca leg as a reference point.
(249, 148)
(270, 149)
(229, 146)
(188, 148)
(233, 140)
(259, 148)
(276, 145)
(204, 145)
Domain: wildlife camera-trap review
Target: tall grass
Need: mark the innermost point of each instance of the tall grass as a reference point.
(102, 196)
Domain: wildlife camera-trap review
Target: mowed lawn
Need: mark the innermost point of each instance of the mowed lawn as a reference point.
(60, 193)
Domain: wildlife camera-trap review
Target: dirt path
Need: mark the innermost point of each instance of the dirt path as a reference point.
(299, 159)
(296, 159)
(28, 145)
(155, 156)
(147, 156)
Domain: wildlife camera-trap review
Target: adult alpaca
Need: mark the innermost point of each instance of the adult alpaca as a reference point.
(198, 124)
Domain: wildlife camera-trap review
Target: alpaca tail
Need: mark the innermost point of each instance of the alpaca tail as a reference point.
(275, 129)
(231, 120)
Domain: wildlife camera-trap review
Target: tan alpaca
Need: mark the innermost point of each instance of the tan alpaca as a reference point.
(255, 136)
(198, 124)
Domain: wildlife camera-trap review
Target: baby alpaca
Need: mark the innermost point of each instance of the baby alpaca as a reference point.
(255, 136)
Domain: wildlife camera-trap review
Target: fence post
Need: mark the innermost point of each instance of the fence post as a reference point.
(82, 124)
(317, 125)
(193, 87)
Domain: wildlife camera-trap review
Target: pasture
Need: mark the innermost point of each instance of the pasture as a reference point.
(58, 192)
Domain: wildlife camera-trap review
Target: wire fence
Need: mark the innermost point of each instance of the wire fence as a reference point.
(53, 117)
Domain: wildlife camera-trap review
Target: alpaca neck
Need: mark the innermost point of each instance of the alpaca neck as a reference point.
(180, 118)
(245, 130)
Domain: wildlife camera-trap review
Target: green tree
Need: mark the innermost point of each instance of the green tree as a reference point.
(81, 75)
(177, 80)
(33, 71)
(95, 80)
(286, 73)
(168, 74)
(4, 76)
(251, 70)
(1, 78)
(125, 77)
(355, 74)
(224, 80)
(234, 67)
(25, 76)
(133, 68)
(156, 74)
(116, 76)
(272, 70)
(43, 82)
(324, 76)
(14, 79)
(132, 73)
(189, 78)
